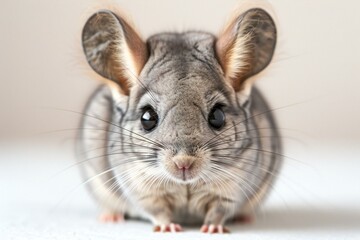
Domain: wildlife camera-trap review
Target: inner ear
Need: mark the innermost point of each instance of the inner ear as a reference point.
(246, 46)
(113, 48)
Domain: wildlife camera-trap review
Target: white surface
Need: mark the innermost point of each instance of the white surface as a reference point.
(316, 197)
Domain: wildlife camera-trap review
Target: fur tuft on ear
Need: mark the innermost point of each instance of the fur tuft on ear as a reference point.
(246, 46)
(113, 49)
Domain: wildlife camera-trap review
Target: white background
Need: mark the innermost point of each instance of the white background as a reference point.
(317, 59)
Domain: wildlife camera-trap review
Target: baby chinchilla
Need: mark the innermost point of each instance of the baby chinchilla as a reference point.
(179, 135)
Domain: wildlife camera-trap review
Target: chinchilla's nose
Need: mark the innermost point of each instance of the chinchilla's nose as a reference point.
(183, 162)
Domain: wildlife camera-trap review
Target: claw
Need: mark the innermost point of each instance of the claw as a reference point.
(172, 227)
(214, 229)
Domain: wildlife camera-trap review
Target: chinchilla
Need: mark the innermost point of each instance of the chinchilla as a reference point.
(179, 134)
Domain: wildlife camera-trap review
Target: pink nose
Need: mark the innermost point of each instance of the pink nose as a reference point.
(183, 162)
(183, 166)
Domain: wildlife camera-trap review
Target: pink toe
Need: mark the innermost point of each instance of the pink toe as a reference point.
(212, 228)
(204, 228)
(172, 228)
(163, 228)
(178, 228)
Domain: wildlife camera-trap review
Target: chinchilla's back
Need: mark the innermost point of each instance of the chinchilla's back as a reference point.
(93, 149)
(269, 148)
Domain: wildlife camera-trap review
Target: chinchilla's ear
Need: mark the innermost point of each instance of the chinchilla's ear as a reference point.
(246, 46)
(113, 49)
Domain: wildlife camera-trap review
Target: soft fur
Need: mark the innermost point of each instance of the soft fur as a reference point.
(182, 76)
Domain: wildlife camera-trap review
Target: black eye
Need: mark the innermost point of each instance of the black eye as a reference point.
(149, 119)
(216, 118)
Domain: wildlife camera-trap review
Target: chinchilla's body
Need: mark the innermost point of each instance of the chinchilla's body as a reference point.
(181, 136)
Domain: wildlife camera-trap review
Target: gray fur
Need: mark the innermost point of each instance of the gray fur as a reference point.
(182, 80)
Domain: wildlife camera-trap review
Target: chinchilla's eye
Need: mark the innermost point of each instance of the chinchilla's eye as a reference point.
(216, 118)
(149, 119)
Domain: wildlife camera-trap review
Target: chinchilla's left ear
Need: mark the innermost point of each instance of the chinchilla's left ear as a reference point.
(114, 49)
(246, 46)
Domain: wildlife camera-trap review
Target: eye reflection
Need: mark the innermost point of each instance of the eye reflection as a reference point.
(216, 118)
(149, 119)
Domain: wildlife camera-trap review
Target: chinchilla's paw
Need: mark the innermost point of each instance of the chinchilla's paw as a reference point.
(214, 229)
(171, 227)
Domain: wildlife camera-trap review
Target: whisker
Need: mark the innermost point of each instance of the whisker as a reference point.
(159, 144)
(220, 143)
(141, 83)
(86, 182)
(237, 185)
(275, 173)
(118, 145)
(270, 152)
(253, 116)
(94, 129)
(97, 157)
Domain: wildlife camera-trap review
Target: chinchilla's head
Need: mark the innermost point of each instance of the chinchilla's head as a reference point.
(186, 93)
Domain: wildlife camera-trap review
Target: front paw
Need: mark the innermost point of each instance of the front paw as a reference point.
(171, 227)
(212, 228)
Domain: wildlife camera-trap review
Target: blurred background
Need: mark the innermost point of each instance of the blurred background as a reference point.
(317, 60)
(314, 81)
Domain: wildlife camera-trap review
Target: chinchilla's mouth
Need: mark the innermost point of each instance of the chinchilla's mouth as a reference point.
(184, 176)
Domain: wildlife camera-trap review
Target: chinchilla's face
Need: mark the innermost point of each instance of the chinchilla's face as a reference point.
(182, 98)
(184, 103)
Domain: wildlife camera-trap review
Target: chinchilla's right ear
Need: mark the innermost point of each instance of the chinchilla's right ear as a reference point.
(246, 46)
(113, 48)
